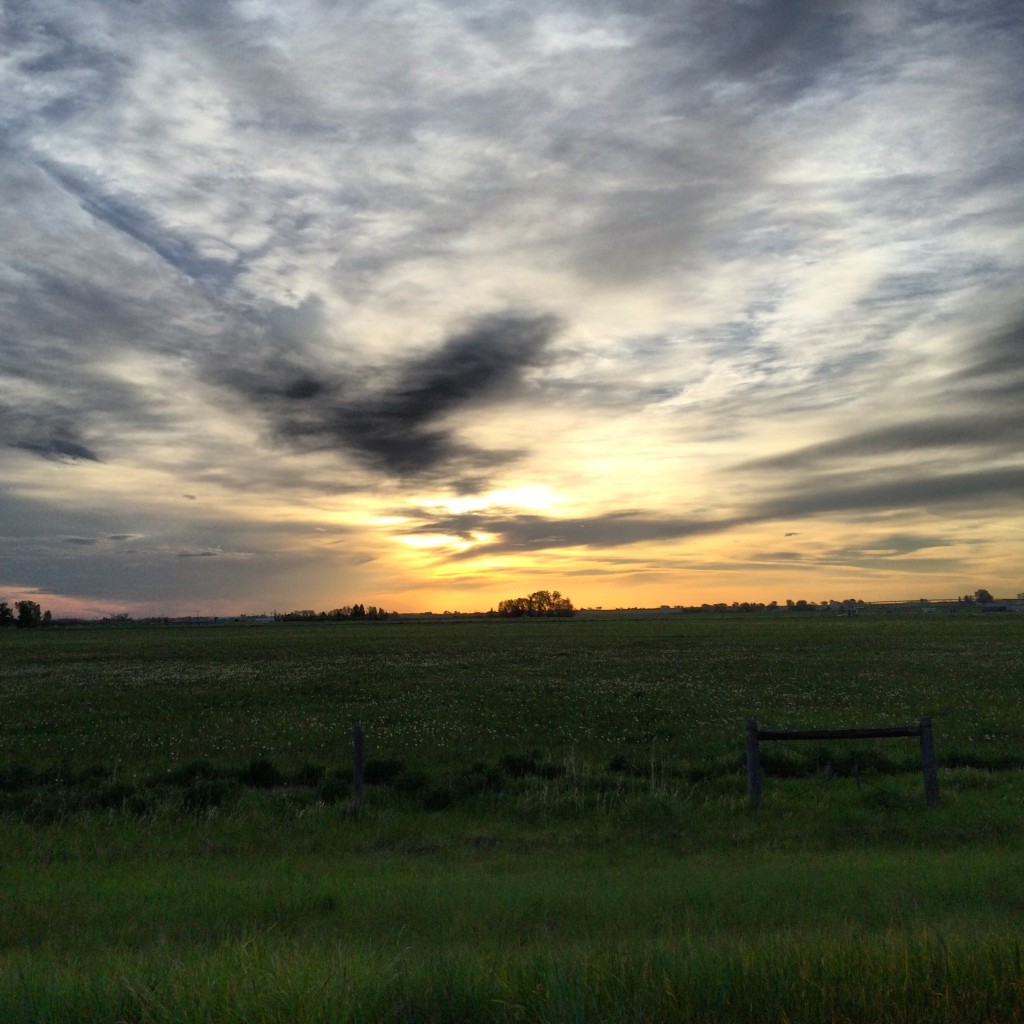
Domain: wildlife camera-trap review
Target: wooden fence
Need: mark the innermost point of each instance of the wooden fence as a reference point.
(923, 730)
(357, 766)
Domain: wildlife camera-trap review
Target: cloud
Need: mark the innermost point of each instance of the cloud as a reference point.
(70, 549)
(526, 533)
(872, 492)
(993, 433)
(58, 442)
(408, 426)
(835, 494)
(784, 46)
(996, 374)
(179, 252)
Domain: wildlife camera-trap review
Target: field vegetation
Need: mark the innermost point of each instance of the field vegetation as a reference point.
(554, 827)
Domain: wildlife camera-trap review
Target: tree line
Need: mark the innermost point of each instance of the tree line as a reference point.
(349, 611)
(24, 614)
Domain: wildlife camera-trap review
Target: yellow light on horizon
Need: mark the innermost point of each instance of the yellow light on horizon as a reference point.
(435, 540)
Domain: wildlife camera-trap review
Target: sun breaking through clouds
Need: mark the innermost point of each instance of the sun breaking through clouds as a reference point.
(430, 304)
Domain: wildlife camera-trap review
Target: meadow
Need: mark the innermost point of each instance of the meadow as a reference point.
(554, 827)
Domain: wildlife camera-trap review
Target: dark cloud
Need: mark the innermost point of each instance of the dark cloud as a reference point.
(58, 442)
(978, 417)
(893, 545)
(784, 46)
(996, 371)
(523, 533)
(876, 490)
(406, 428)
(957, 433)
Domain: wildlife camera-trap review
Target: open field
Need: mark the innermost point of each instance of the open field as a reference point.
(555, 824)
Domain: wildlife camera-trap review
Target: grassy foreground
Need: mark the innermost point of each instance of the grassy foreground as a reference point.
(601, 867)
(108, 920)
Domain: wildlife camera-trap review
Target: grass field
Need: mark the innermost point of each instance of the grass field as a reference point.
(555, 825)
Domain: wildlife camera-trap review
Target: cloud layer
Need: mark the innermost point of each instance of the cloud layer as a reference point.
(419, 300)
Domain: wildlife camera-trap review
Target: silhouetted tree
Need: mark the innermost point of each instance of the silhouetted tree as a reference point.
(539, 603)
(6, 615)
(29, 614)
(983, 597)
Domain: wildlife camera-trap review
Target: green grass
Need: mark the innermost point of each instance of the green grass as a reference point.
(557, 828)
(542, 933)
(617, 935)
(856, 979)
(454, 692)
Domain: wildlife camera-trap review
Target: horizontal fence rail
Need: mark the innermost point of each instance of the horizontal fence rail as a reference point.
(923, 730)
(838, 734)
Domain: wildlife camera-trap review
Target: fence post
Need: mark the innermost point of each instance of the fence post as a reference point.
(928, 763)
(753, 763)
(357, 766)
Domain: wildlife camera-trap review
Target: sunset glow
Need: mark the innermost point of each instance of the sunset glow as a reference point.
(426, 305)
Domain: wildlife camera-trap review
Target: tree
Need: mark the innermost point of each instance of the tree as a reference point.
(29, 614)
(539, 603)
(6, 615)
(983, 597)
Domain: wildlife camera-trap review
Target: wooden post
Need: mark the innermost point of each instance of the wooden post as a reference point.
(357, 766)
(928, 763)
(753, 763)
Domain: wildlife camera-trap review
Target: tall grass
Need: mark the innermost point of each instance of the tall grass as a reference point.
(892, 978)
(569, 934)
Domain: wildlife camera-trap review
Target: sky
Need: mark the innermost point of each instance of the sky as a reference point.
(430, 303)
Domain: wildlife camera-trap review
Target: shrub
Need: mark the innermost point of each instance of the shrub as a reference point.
(382, 770)
(310, 775)
(191, 772)
(411, 782)
(261, 774)
(114, 796)
(16, 777)
(518, 766)
(206, 794)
